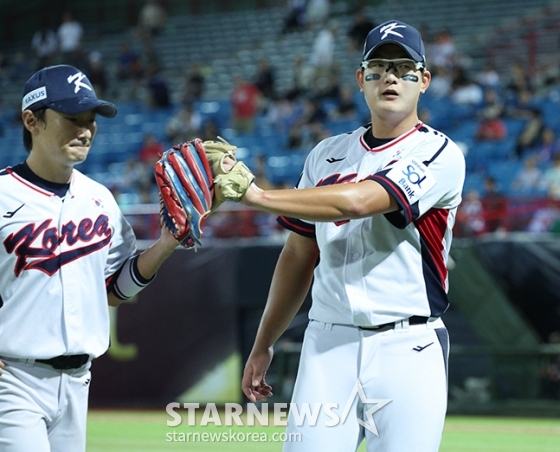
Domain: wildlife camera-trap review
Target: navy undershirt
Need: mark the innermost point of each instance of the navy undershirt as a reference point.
(23, 170)
(373, 142)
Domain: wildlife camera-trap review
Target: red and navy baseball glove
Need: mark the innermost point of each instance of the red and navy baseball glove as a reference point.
(184, 179)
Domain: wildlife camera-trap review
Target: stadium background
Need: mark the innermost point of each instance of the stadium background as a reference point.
(186, 336)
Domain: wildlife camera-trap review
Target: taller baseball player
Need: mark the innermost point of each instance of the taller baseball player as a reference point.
(370, 224)
(66, 252)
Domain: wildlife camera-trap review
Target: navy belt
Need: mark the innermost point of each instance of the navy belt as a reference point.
(65, 361)
(414, 320)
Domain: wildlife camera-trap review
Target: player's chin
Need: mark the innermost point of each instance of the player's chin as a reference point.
(79, 153)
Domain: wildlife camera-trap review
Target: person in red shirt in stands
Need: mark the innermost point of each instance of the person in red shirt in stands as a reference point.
(151, 149)
(245, 100)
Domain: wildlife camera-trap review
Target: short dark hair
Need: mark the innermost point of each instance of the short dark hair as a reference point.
(27, 139)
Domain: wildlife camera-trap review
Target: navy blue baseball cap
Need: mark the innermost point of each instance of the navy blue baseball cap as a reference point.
(396, 32)
(64, 89)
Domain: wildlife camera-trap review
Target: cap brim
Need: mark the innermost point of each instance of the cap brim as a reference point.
(71, 107)
(411, 53)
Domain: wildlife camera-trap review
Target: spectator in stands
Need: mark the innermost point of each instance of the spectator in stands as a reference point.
(210, 130)
(442, 83)
(70, 35)
(321, 60)
(464, 91)
(528, 179)
(470, 216)
(312, 122)
(489, 78)
(520, 106)
(185, 125)
(194, 84)
(345, 105)
(260, 170)
(136, 175)
(265, 80)
(361, 26)
(550, 145)
(158, 89)
(317, 12)
(519, 81)
(531, 133)
(295, 19)
(128, 63)
(301, 79)
(441, 53)
(96, 73)
(151, 150)
(152, 20)
(551, 179)
(494, 205)
(296, 139)
(491, 127)
(245, 102)
(149, 58)
(493, 104)
(313, 112)
(44, 45)
(331, 92)
(281, 114)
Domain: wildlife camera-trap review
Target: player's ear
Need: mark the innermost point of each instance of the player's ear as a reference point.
(30, 120)
(426, 78)
(360, 78)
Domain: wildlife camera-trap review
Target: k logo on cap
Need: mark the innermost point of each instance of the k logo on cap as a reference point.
(65, 89)
(396, 32)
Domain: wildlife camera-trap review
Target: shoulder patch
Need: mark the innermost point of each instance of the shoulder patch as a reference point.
(412, 177)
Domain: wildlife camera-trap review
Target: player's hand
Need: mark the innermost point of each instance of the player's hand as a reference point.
(1, 367)
(228, 164)
(253, 383)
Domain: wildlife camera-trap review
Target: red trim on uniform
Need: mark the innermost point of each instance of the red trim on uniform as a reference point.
(28, 184)
(402, 200)
(432, 227)
(391, 143)
(297, 227)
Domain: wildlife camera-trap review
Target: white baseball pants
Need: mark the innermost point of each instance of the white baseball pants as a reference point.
(406, 365)
(43, 409)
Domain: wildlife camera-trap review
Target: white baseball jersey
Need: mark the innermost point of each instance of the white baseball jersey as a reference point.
(388, 267)
(56, 254)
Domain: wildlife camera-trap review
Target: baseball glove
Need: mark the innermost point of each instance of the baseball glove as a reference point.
(216, 152)
(234, 184)
(184, 179)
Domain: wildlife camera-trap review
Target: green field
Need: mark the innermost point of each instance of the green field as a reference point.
(146, 431)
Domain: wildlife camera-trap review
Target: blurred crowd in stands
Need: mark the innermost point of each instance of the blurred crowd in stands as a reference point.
(317, 101)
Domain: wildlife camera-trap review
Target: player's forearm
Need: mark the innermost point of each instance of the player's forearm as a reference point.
(151, 260)
(290, 284)
(328, 203)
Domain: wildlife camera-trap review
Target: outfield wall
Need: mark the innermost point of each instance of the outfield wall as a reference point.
(186, 336)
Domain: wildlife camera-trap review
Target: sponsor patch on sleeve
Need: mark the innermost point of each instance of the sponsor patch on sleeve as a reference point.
(412, 177)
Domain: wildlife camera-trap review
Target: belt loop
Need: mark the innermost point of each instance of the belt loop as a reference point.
(402, 325)
(322, 325)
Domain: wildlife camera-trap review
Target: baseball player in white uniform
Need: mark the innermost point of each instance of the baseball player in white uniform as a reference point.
(66, 253)
(370, 224)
